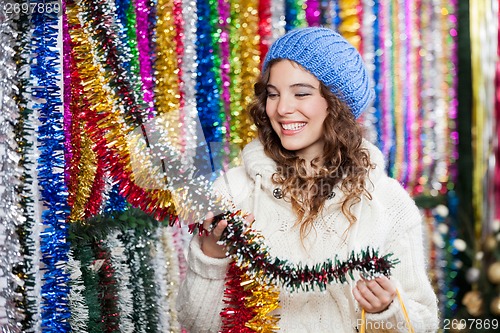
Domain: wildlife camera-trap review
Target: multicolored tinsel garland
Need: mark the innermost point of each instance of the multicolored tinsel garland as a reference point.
(181, 239)
(106, 123)
(396, 111)
(179, 51)
(235, 314)
(54, 248)
(11, 218)
(326, 17)
(248, 303)
(246, 245)
(84, 171)
(250, 294)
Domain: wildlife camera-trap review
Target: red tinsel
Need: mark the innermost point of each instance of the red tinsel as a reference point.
(235, 315)
(265, 32)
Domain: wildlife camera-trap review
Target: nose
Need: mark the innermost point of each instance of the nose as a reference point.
(285, 105)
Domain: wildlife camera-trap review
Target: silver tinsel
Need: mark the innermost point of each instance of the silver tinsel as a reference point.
(122, 275)
(79, 309)
(277, 18)
(189, 72)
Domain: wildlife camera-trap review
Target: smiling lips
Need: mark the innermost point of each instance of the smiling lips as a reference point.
(292, 128)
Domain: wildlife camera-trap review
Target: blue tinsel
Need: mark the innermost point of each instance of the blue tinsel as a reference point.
(207, 90)
(45, 71)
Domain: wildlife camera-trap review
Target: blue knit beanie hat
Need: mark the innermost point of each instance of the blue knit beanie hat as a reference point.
(331, 59)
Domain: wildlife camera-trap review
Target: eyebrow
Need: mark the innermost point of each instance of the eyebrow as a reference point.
(304, 85)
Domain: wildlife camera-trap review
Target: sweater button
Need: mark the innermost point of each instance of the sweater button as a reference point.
(277, 193)
(331, 195)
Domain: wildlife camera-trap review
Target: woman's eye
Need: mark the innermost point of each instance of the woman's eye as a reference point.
(302, 95)
(272, 95)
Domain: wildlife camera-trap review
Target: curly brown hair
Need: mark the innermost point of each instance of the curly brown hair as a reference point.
(344, 161)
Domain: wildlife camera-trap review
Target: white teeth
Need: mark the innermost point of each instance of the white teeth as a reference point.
(293, 127)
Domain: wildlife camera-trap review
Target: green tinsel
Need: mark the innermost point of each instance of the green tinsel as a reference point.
(136, 231)
(100, 226)
(137, 244)
(85, 255)
(149, 287)
(132, 39)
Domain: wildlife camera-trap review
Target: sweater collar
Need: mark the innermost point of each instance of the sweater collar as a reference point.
(256, 162)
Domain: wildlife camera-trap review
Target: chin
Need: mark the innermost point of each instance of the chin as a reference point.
(292, 146)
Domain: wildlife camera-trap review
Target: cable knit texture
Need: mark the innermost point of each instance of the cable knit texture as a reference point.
(330, 58)
(390, 222)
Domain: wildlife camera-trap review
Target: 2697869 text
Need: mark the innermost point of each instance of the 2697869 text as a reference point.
(471, 324)
(30, 8)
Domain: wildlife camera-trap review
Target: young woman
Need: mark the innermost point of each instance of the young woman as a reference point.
(317, 190)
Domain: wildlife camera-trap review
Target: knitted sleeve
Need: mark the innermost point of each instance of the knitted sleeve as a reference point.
(200, 298)
(410, 275)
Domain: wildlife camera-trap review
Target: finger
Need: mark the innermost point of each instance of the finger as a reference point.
(219, 229)
(376, 288)
(368, 295)
(386, 284)
(383, 288)
(361, 300)
(250, 218)
(208, 220)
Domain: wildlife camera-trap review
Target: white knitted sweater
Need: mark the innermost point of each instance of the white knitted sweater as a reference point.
(389, 222)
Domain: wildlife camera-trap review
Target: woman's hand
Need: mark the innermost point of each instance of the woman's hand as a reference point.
(209, 241)
(375, 295)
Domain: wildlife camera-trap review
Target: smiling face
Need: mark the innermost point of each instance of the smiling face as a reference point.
(296, 109)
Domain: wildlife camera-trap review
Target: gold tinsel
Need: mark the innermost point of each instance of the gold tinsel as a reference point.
(245, 62)
(166, 67)
(87, 168)
(350, 24)
(264, 300)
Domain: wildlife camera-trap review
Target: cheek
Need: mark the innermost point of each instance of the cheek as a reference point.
(270, 110)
